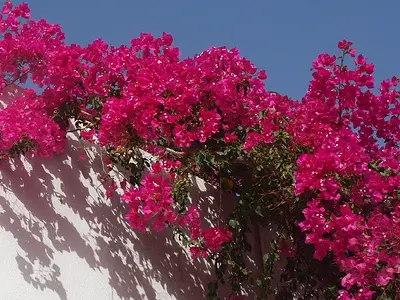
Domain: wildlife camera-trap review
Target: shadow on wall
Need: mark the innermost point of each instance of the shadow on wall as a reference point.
(57, 206)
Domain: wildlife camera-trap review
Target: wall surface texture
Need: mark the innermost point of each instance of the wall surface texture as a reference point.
(62, 239)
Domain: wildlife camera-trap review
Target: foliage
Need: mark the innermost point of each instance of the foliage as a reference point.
(324, 171)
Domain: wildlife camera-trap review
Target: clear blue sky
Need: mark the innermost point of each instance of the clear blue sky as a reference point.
(280, 36)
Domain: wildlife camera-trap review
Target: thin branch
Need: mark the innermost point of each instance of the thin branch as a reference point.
(174, 152)
(16, 79)
(340, 87)
(74, 130)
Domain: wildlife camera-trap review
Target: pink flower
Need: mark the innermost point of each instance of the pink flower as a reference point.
(112, 187)
(214, 238)
(88, 134)
(7, 7)
(123, 184)
(230, 138)
(344, 45)
(384, 276)
(25, 10)
(196, 252)
(262, 75)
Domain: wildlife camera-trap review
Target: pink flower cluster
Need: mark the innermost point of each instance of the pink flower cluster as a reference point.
(212, 240)
(348, 173)
(353, 171)
(180, 102)
(19, 122)
(152, 202)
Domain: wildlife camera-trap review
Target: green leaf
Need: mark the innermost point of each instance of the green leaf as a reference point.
(258, 211)
(266, 257)
(233, 223)
(276, 256)
(273, 245)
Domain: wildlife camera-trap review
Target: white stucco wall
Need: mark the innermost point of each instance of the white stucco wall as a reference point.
(60, 238)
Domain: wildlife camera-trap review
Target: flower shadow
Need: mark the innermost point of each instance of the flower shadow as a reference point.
(56, 207)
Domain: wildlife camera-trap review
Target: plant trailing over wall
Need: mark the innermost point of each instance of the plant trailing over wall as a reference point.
(323, 171)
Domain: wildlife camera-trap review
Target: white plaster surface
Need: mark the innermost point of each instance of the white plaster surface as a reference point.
(60, 238)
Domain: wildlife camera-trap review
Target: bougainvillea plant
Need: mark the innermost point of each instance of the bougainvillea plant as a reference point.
(324, 170)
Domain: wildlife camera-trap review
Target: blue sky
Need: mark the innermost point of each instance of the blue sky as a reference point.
(280, 36)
